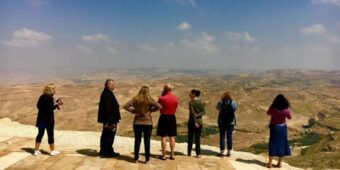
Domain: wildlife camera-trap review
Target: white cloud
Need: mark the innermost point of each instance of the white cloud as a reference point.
(28, 38)
(314, 29)
(338, 25)
(332, 38)
(84, 49)
(184, 26)
(99, 37)
(112, 50)
(170, 44)
(186, 2)
(147, 48)
(237, 36)
(202, 43)
(322, 32)
(332, 2)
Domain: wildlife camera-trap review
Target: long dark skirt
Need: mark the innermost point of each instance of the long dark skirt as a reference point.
(278, 141)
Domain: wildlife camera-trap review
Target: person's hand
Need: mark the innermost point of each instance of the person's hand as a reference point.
(60, 102)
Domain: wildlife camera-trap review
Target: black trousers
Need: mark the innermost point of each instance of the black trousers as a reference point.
(50, 134)
(139, 130)
(193, 131)
(106, 142)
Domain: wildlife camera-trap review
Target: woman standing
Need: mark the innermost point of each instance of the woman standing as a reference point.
(167, 125)
(195, 123)
(226, 121)
(278, 138)
(142, 105)
(45, 119)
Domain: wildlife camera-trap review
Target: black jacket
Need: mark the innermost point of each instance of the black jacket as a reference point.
(108, 111)
(46, 108)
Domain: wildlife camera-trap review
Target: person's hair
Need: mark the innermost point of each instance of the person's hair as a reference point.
(107, 82)
(196, 92)
(226, 96)
(49, 89)
(143, 97)
(280, 102)
(167, 88)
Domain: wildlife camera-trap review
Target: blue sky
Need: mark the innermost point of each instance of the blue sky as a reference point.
(175, 34)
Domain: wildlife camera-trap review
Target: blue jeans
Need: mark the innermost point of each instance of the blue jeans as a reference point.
(226, 131)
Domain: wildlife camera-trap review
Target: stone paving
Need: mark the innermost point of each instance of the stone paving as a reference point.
(16, 153)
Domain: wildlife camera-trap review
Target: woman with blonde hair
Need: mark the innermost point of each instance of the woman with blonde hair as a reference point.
(226, 121)
(142, 106)
(45, 119)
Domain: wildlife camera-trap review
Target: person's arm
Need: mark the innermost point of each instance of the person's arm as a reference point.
(233, 103)
(108, 110)
(218, 106)
(176, 102)
(202, 111)
(46, 104)
(155, 107)
(288, 114)
(270, 111)
(116, 111)
(191, 108)
(129, 106)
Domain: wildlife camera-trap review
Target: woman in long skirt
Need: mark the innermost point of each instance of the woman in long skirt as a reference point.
(278, 138)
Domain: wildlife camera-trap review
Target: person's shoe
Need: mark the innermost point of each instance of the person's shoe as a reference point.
(101, 154)
(221, 154)
(172, 158)
(54, 152)
(147, 160)
(269, 165)
(37, 153)
(163, 158)
(228, 153)
(114, 154)
(135, 159)
(198, 156)
(278, 166)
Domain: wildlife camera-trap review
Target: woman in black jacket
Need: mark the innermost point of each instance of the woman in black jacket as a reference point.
(45, 119)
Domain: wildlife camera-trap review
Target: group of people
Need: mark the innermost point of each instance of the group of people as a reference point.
(143, 105)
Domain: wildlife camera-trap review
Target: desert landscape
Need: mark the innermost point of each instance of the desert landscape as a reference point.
(314, 96)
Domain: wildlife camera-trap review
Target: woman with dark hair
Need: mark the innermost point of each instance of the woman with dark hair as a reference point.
(226, 122)
(45, 120)
(195, 123)
(278, 138)
(141, 106)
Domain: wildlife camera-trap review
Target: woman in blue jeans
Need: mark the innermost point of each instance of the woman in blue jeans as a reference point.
(226, 122)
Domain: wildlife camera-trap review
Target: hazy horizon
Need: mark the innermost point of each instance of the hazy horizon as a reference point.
(169, 34)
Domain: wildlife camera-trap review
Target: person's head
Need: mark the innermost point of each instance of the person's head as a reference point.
(167, 88)
(49, 89)
(143, 96)
(280, 102)
(194, 93)
(110, 84)
(144, 90)
(227, 96)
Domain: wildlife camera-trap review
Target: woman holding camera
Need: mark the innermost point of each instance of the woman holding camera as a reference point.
(45, 120)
